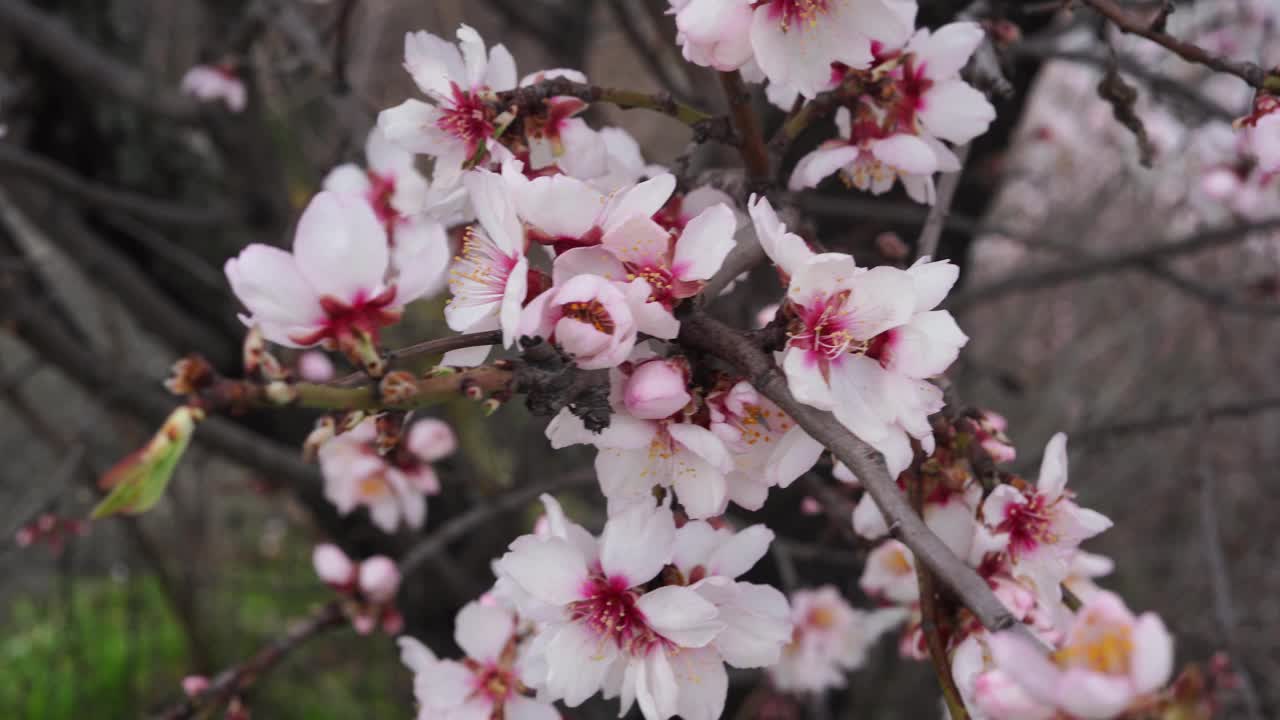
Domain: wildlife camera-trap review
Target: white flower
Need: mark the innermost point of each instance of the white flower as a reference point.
(487, 684)
(334, 289)
(603, 629)
(1043, 527)
(456, 126)
(890, 574)
(831, 639)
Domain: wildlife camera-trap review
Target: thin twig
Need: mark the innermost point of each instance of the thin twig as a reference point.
(1250, 72)
(477, 516)
(437, 346)
(927, 243)
(702, 332)
(929, 621)
(531, 96)
(238, 678)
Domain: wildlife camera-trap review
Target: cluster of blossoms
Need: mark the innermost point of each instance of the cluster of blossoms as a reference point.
(900, 88)
(576, 241)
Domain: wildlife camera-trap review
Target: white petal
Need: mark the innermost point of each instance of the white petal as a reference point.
(446, 686)
(944, 52)
(680, 615)
(906, 153)
(341, 248)
(787, 250)
(933, 280)
(549, 569)
(758, 626)
(422, 258)
(1053, 468)
(695, 540)
(559, 205)
(416, 656)
(954, 111)
(1152, 662)
(482, 631)
(703, 684)
(577, 663)
(740, 552)
(519, 707)
(882, 298)
(816, 166)
(804, 377)
(643, 200)
(704, 243)
(636, 544)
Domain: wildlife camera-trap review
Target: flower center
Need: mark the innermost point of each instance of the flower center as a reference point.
(801, 13)
(381, 190)
(1029, 525)
(1107, 653)
(592, 313)
(822, 618)
(480, 270)
(823, 327)
(898, 563)
(365, 314)
(372, 487)
(609, 609)
(467, 118)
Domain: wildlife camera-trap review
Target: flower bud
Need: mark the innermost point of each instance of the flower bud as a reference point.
(588, 316)
(431, 439)
(314, 366)
(332, 565)
(379, 579)
(193, 685)
(657, 389)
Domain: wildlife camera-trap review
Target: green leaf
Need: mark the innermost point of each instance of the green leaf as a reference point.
(138, 482)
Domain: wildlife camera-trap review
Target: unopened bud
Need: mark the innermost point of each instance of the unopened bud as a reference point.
(398, 387)
(189, 375)
(379, 579)
(656, 390)
(315, 366)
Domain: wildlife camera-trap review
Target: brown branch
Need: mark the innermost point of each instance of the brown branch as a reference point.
(751, 145)
(1108, 263)
(1127, 22)
(648, 52)
(236, 679)
(1122, 429)
(437, 346)
(67, 182)
(531, 97)
(92, 68)
(929, 620)
(701, 332)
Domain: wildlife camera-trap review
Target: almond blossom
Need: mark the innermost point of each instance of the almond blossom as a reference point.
(392, 487)
(588, 316)
(370, 587)
(1043, 527)
(211, 83)
(890, 574)
(734, 447)
(490, 277)
(487, 683)
(987, 691)
(604, 627)
(862, 342)
(830, 640)
(458, 122)
(333, 289)
(565, 212)
(558, 138)
(1107, 661)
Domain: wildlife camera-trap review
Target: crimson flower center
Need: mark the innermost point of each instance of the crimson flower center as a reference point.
(1029, 524)
(609, 610)
(798, 13)
(591, 312)
(468, 119)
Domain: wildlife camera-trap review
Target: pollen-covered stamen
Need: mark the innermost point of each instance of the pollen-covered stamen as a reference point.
(609, 610)
(467, 118)
(1029, 524)
(592, 313)
(480, 270)
(1106, 650)
(822, 327)
(795, 13)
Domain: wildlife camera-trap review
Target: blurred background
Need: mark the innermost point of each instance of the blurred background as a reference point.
(1133, 307)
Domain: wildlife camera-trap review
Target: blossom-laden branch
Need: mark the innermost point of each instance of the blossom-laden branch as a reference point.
(702, 332)
(1153, 30)
(229, 683)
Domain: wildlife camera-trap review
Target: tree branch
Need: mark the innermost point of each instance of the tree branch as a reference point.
(94, 69)
(929, 621)
(238, 678)
(927, 243)
(1123, 19)
(700, 331)
(751, 145)
(531, 97)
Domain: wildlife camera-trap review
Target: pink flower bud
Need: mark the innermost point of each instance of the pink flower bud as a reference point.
(656, 390)
(379, 579)
(193, 685)
(332, 565)
(314, 366)
(431, 439)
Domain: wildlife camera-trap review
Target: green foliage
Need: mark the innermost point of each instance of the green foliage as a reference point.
(139, 481)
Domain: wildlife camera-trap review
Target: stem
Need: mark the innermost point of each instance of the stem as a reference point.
(411, 392)
(751, 145)
(531, 97)
(929, 613)
(438, 346)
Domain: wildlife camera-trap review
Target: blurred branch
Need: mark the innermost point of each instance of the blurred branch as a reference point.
(236, 679)
(1108, 263)
(1153, 30)
(485, 513)
(104, 197)
(651, 53)
(93, 68)
(701, 332)
(927, 243)
(436, 346)
(1121, 429)
(929, 620)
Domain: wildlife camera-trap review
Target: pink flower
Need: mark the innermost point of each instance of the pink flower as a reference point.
(987, 691)
(371, 586)
(393, 487)
(588, 317)
(990, 429)
(487, 683)
(564, 212)
(334, 567)
(1043, 527)
(556, 138)
(210, 83)
(768, 448)
(1108, 660)
(490, 278)
(945, 106)
(390, 183)
(333, 289)
(606, 627)
(656, 389)
(948, 513)
(1084, 568)
(714, 33)
(831, 639)
(456, 126)
(890, 574)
